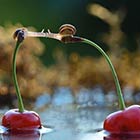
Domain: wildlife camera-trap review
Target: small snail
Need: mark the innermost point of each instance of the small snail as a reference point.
(67, 30)
(19, 34)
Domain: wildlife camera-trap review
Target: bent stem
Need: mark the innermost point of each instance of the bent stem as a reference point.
(20, 102)
(65, 35)
(119, 92)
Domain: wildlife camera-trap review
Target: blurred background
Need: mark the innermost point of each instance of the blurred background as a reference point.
(51, 72)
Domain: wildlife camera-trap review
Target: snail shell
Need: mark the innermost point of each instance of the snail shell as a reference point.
(67, 30)
(19, 34)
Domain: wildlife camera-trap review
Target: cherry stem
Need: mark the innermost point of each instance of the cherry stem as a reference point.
(119, 92)
(20, 102)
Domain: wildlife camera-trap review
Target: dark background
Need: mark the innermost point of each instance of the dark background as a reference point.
(51, 14)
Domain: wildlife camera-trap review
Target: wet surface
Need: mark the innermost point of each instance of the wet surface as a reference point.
(66, 116)
(67, 122)
(71, 122)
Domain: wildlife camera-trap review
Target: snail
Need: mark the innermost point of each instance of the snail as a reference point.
(20, 34)
(67, 30)
(66, 34)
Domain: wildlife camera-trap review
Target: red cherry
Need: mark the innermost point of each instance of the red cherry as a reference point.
(124, 121)
(17, 121)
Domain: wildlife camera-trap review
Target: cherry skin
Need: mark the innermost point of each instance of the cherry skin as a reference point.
(21, 121)
(124, 121)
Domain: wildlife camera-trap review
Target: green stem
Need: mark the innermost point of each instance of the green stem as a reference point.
(20, 102)
(119, 92)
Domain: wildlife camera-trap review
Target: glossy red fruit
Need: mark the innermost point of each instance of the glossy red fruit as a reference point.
(17, 121)
(124, 121)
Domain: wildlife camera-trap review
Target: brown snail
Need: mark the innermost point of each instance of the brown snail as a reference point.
(67, 30)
